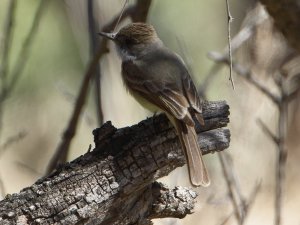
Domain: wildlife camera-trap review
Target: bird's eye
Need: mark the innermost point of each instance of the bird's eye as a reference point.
(129, 41)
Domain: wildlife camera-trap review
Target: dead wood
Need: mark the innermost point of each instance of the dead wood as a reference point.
(115, 182)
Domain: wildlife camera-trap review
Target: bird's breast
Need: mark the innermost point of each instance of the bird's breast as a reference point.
(144, 102)
(133, 81)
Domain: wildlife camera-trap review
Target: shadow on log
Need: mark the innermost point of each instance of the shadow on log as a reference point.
(115, 182)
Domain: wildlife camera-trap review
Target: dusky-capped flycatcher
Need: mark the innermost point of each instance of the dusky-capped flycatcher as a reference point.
(159, 80)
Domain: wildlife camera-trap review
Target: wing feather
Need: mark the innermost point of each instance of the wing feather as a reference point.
(169, 99)
(193, 97)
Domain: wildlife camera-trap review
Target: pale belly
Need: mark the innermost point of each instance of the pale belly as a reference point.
(145, 103)
(149, 106)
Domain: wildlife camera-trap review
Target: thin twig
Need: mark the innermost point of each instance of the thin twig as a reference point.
(121, 13)
(229, 182)
(229, 17)
(6, 42)
(24, 53)
(12, 140)
(268, 132)
(282, 152)
(236, 42)
(236, 185)
(282, 103)
(227, 218)
(93, 48)
(5, 50)
(23, 166)
(248, 203)
(246, 74)
(21, 60)
(252, 197)
(61, 152)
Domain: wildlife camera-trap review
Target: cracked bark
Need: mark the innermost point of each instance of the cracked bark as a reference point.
(113, 184)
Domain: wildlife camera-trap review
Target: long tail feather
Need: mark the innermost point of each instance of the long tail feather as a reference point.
(197, 170)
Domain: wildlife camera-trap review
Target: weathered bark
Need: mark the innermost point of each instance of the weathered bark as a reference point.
(286, 15)
(113, 184)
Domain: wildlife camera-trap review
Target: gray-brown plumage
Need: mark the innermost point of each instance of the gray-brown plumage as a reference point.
(159, 80)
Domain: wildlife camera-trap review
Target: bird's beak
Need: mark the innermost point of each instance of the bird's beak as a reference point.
(110, 36)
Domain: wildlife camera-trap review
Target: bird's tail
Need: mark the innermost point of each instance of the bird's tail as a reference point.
(188, 138)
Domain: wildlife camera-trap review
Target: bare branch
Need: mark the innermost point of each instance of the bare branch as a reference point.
(286, 19)
(252, 197)
(24, 53)
(121, 13)
(5, 50)
(230, 186)
(93, 48)
(282, 152)
(282, 103)
(229, 17)
(268, 132)
(11, 140)
(6, 42)
(246, 74)
(248, 203)
(237, 41)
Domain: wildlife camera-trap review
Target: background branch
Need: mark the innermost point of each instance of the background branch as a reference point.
(93, 48)
(7, 86)
(248, 203)
(24, 53)
(229, 20)
(238, 212)
(5, 46)
(268, 132)
(282, 103)
(244, 73)
(286, 18)
(237, 41)
(282, 152)
(6, 42)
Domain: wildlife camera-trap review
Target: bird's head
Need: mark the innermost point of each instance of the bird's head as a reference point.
(134, 40)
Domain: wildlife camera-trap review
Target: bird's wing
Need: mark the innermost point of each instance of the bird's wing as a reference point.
(165, 94)
(192, 96)
(190, 91)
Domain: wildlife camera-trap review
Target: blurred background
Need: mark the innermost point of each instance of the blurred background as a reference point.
(48, 50)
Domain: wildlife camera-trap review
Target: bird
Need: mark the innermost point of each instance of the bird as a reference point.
(159, 80)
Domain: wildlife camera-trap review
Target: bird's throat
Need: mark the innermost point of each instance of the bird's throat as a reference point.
(125, 55)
